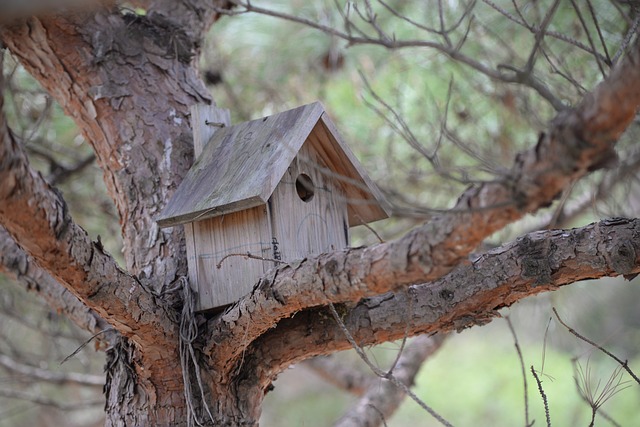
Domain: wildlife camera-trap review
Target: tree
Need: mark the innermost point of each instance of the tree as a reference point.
(128, 80)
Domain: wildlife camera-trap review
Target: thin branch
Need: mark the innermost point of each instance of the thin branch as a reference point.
(523, 369)
(60, 378)
(382, 397)
(554, 34)
(540, 33)
(392, 43)
(45, 401)
(578, 140)
(248, 255)
(84, 344)
(38, 217)
(588, 33)
(543, 395)
(468, 296)
(633, 30)
(380, 373)
(600, 36)
(623, 363)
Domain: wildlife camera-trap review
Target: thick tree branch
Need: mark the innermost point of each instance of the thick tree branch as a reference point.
(35, 214)
(128, 83)
(194, 16)
(15, 262)
(14, 10)
(579, 141)
(470, 295)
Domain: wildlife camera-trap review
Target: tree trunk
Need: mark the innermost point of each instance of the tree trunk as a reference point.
(128, 81)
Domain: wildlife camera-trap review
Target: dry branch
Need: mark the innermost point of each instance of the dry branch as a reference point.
(579, 141)
(35, 214)
(470, 295)
(382, 397)
(50, 376)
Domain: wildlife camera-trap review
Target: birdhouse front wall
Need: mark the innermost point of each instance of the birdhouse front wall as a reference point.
(308, 209)
(306, 215)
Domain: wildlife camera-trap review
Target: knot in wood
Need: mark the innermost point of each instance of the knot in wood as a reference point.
(331, 267)
(534, 262)
(446, 294)
(623, 257)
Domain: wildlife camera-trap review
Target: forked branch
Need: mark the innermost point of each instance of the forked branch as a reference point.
(579, 141)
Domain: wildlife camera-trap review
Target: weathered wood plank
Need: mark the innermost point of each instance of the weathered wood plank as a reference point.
(222, 241)
(244, 163)
(205, 121)
(314, 226)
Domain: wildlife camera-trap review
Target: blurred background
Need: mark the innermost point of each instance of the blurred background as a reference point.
(471, 88)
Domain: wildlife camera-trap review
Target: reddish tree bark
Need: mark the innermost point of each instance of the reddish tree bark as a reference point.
(128, 82)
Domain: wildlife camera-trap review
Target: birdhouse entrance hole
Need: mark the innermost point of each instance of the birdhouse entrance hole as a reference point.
(304, 187)
(284, 158)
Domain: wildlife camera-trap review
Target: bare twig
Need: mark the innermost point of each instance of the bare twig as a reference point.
(51, 376)
(543, 395)
(597, 25)
(523, 369)
(44, 401)
(540, 33)
(384, 40)
(624, 364)
(380, 373)
(588, 33)
(249, 255)
(627, 38)
(84, 344)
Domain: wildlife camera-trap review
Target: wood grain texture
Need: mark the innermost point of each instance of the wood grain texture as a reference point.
(206, 120)
(311, 227)
(242, 165)
(221, 241)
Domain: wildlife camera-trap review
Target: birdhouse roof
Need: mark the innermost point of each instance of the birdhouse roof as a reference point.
(241, 166)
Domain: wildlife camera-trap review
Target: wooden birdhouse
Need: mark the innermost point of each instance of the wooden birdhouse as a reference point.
(272, 190)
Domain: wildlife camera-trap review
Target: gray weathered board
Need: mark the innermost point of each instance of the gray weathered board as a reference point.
(242, 197)
(242, 164)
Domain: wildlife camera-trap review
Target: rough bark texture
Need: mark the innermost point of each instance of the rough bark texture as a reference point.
(579, 140)
(470, 295)
(128, 82)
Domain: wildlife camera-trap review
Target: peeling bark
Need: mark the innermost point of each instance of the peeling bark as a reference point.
(470, 295)
(128, 82)
(579, 140)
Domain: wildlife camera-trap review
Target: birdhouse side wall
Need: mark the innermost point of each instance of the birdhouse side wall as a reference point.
(224, 242)
(308, 209)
